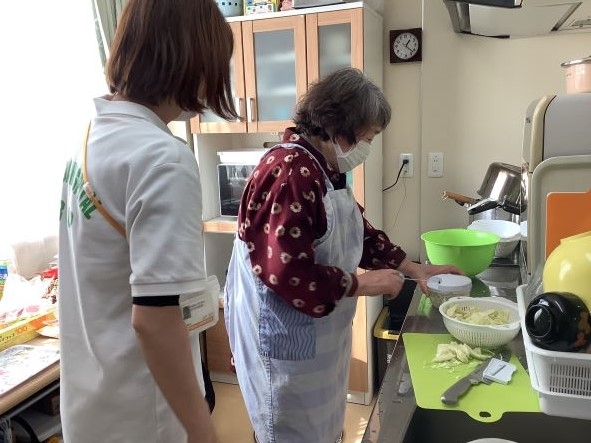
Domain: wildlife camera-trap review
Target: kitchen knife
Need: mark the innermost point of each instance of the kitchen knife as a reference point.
(459, 388)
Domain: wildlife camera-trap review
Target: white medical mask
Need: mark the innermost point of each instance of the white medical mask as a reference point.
(356, 155)
(185, 116)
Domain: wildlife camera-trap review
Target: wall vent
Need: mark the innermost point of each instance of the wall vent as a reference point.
(584, 23)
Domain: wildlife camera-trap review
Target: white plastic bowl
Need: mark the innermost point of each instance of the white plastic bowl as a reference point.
(505, 247)
(505, 229)
(508, 232)
(523, 228)
(491, 440)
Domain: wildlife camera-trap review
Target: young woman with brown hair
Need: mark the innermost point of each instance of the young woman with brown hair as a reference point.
(131, 233)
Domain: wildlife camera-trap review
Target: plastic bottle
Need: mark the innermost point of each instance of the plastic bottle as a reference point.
(3, 275)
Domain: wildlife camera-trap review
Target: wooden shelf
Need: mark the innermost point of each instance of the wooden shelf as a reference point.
(225, 225)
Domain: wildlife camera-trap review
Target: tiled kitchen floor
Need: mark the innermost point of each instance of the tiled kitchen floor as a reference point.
(232, 424)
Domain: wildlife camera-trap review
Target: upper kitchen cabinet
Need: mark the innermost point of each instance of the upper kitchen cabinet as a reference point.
(277, 55)
(268, 75)
(351, 37)
(337, 39)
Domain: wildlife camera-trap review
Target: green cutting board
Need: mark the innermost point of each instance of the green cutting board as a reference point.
(482, 402)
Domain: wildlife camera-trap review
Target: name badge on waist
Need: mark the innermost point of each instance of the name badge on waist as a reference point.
(201, 309)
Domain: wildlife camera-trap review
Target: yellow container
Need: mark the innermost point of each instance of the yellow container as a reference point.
(385, 343)
(24, 330)
(568, 267)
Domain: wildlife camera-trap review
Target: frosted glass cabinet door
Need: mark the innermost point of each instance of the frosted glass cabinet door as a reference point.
(208, 122)
(275, 68)
(275, 71)
(334, 41)
(334, 47)
(208, 116)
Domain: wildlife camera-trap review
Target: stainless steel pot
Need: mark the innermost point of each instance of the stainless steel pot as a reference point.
(578, 75)
(502, 187)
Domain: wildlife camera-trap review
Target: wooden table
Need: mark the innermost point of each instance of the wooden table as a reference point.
(15, 400)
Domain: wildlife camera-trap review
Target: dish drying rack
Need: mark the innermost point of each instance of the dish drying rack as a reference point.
(562, 379)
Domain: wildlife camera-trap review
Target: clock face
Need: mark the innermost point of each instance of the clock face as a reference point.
(405, 45)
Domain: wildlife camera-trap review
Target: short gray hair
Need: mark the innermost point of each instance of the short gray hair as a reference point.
(344, 103)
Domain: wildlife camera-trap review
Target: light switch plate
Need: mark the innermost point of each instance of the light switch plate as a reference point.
(435, 164)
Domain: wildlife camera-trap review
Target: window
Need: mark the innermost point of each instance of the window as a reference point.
(50, 71)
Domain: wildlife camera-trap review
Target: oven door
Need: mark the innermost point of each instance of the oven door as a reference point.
(232, 180)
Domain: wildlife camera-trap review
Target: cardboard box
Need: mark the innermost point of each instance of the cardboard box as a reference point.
(260, 6)
(24, 330)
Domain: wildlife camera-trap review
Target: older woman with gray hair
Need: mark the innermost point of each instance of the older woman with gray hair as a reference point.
(292, 286)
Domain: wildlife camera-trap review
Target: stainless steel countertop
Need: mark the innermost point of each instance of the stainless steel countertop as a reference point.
(396, 402)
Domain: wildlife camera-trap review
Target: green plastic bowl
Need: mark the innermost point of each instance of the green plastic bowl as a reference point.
(471, 251)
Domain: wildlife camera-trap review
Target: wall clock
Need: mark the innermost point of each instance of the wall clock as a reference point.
(406, 45)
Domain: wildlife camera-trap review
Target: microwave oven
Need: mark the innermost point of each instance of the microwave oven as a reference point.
(233, 172)
(231, 181)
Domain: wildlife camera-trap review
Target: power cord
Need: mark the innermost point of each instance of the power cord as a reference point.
(400, 206)
(404, 163)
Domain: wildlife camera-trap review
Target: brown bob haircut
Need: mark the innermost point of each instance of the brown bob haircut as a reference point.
(170, 51)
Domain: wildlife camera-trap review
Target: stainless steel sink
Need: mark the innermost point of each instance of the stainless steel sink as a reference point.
(439, 426)
(396, 418)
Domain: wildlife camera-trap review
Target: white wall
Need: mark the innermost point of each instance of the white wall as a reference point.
(402, 85)
(467, 99)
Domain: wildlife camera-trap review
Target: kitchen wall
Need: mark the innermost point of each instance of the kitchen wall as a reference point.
(467, 99)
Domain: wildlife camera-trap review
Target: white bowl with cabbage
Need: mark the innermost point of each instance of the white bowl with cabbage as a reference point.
(487, 322)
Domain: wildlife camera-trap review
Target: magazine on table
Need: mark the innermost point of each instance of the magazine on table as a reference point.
(21, 362)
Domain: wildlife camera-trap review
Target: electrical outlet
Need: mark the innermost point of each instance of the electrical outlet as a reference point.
(407, 169)
(435, 164)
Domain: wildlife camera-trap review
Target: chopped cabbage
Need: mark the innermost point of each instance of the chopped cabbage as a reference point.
(473, 315)
(452, 354)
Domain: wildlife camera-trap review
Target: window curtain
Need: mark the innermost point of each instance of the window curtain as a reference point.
(106, 14)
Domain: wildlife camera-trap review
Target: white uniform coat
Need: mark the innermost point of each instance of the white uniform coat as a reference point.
(149, 182)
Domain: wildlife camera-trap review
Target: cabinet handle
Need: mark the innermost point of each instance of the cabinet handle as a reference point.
(239, 108)
(250, 110)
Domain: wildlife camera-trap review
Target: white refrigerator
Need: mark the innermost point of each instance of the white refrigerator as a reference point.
(556, 158)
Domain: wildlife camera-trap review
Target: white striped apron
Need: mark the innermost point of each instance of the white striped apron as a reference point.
(293, 370)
